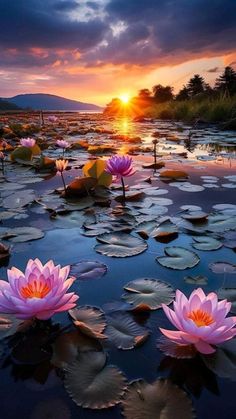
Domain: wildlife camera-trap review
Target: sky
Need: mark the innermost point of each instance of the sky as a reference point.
(99, 49)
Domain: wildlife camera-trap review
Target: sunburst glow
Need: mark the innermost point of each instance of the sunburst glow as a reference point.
(125, 98)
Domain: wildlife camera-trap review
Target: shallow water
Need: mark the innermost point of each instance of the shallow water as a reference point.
(36, 390)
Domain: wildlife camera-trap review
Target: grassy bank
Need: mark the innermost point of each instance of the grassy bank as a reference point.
(215, 110)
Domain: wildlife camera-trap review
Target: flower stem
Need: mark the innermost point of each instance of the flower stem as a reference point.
(123, 188)
(155, 154)
(63, 181)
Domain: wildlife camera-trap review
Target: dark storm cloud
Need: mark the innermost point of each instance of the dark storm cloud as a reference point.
(176, 27)
(128, 32)
(40, 23)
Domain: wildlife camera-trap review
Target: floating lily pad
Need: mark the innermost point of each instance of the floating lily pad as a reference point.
(222, 268)
(19, 199)
(174, 174)
(206, 243)
(90, 320)
(195, 216)
(22, 234)
(175, 350)
(221, 222)
(161, 399)
(148, 293)
(223, 361)
(196, 280)
(230, 295)
(120, 245)
(165, 230)
(93, 384)
(178, 258)
(88, 269)
(189, 187)
(8, 325)
(123, 332)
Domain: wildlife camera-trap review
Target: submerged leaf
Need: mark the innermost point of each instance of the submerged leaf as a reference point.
(223, 361)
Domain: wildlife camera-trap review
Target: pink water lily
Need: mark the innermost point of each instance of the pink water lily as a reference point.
(63, 144)
(52, 118)
(39, 292)
(201, 321)
(27, 142)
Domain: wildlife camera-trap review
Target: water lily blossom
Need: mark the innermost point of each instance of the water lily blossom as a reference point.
(120, 166)
(38, 293)
(63, 144)
(61, 165)
(27, 142)
(201, 321)
(52, 118)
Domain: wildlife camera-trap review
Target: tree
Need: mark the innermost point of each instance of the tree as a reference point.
(196, 85)
(183, 94)
(162, 93)
(226, 83)
(144, 93)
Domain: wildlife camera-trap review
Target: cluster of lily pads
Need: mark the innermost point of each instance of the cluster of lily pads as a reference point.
(93, 204)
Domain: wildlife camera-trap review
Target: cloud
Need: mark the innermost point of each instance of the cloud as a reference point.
(213, 70)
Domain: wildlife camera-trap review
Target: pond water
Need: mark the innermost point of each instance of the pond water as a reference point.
(170, 212)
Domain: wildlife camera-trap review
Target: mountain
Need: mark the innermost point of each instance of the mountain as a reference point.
(41, 101)
(8, 106)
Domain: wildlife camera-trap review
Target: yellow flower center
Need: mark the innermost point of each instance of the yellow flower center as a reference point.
(201, 318)
(37, 289)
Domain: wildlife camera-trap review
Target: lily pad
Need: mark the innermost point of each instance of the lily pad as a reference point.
(206, 243)
(161, 399)
(223, 361)
(222, 268)
(88, 269)
(123, 332)
(230, 295)
(178, 258)
(90, 320)
(93, 384)
(148, 293)
(19, 199)
(120, 245)
(8, 325)
(175, 350)
(22, 234)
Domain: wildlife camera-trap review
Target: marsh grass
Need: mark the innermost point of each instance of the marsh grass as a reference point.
(206, 109)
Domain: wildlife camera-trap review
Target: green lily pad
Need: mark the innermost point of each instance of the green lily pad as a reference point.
(178, 258)
(148, 293)
(120, 245)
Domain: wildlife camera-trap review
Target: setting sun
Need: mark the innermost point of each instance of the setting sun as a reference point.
(125, 97)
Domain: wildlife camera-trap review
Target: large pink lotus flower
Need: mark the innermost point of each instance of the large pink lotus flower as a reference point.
(39, 292)
(120, 166)
(201, 321)
(27, 142)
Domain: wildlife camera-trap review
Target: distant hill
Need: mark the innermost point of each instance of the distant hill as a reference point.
(46, 102)
(8, 106)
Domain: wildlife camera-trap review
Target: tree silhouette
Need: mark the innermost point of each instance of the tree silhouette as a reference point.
(226, 83)
(162, 93)
(196, 85)
(183, 94)
(144, 93)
